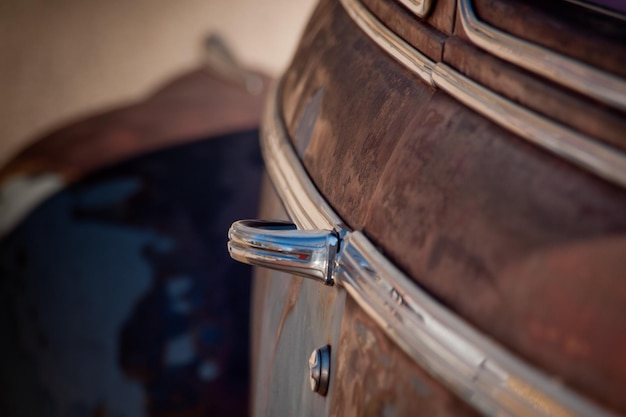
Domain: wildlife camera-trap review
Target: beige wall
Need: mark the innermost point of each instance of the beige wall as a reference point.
(61, 59)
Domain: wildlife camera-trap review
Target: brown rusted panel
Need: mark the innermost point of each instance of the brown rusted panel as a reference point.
(442, 16)
(545, 98)
(348, 170)
(312, 46)
(463, 201)
(467, 208)
(423, 37)
(584, 320)
(554, 25)
(374, 377)
(193, 106)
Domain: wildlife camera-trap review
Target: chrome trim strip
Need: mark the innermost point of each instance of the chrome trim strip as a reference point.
(419, 7)
(585, 152)
(278, 245)
(478, 370)
(304, 204)
(600, 159)
(482, 373)
(391, 43)
(585, 79)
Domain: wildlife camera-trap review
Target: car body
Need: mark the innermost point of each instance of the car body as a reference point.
(455, 171)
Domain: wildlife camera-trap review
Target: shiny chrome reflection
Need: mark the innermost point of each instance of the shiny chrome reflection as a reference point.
(578, 76)
(280, 245)
(489, 378)
(319, 370)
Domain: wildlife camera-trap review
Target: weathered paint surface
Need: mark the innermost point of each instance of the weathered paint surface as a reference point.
(524, 246)
(534, 93)
(370, 375)
(119, 297)
(568, 30)
(375, 378)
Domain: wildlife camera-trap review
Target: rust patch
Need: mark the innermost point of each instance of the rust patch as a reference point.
(374, 377)
(290, 302)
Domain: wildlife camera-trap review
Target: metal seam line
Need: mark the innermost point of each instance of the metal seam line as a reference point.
(581, 150)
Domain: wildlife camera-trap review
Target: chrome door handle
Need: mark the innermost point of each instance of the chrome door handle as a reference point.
(280, 245)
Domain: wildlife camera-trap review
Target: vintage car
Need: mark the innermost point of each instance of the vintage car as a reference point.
(443, 235)
(445, 213)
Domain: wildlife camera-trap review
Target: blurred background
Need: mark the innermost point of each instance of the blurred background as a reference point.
(117, 294)
(65, 59)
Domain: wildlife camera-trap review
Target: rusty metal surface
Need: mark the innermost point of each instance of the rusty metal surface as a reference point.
(442, 17)
(423, 37)
(565, 107)
(560, 27)
(375, 378)
(118, 297)
(506, 235)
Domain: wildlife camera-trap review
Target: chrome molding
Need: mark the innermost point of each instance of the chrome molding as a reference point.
(391, 43)
(279, 245)
(602, 160)
(478, 370)
(585, 152)
(419, 7)
(304, 204)
(585, 79)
